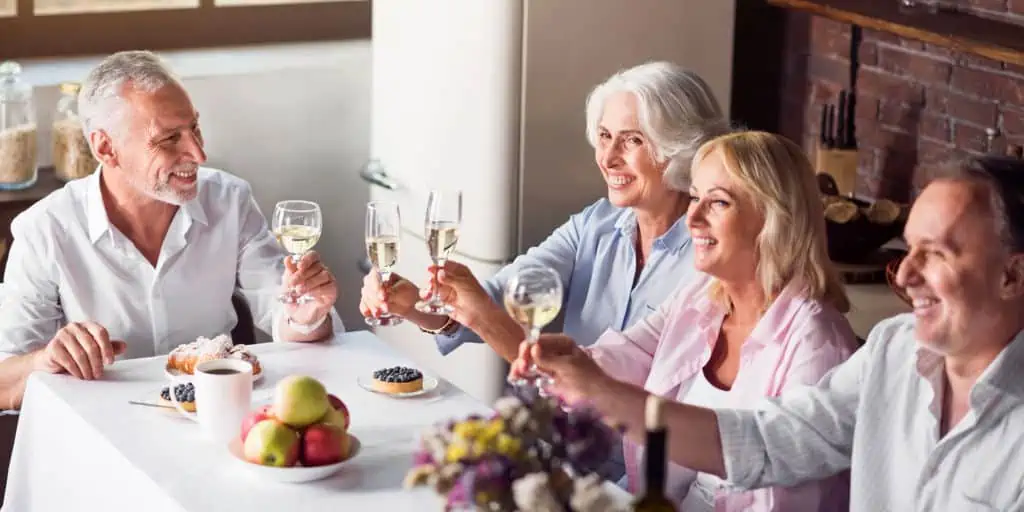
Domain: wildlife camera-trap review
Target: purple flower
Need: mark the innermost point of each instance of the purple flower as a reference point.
(422, 458)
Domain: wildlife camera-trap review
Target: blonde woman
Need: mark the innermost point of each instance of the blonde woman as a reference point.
(768, 317)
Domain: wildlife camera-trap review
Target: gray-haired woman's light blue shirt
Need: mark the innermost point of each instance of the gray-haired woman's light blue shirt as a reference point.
(595, 253)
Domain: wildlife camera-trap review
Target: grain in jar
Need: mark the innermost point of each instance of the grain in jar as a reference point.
(18, 133)
(72, 158)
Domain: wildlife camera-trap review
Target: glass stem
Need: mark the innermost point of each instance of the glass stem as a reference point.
(436, 295)
(385, 276)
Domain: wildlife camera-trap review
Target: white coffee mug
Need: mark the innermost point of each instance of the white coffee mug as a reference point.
(223, 394)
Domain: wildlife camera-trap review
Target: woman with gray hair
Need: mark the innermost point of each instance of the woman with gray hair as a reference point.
(618, 258)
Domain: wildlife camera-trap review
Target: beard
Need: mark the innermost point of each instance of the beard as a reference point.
(163, 191)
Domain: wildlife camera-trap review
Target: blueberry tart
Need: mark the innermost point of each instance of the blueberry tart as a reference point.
(398, 379)
(184, 393)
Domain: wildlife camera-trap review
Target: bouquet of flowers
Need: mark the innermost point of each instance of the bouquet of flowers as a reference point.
(531, 455)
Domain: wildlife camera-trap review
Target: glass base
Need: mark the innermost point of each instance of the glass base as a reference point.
(291, 298)
(434, 308)
(535, 378)
(383, 321)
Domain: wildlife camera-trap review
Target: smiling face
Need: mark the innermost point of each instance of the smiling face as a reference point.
(625, 157)
(160, 147)
(724, 222)
(954, 271)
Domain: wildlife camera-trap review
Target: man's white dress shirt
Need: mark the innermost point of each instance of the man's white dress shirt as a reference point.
(68, 263)
(879, 414)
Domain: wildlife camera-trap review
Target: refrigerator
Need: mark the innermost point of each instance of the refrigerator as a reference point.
(488, 96)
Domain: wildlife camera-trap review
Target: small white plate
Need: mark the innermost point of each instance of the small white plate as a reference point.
(366, 382)
(294, 474)
(171, 374)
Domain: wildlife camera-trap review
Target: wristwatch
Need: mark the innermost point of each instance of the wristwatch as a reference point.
(305, 328)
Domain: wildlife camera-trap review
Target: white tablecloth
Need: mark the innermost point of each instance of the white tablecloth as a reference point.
(82, 446)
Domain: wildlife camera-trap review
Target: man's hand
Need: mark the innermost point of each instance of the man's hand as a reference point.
(311, 278)
(81, 349)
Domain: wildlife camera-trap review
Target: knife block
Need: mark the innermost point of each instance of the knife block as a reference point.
(841, 164)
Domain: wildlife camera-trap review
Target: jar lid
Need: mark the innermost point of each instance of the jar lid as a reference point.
(70, 87)
(12, 88)
(10, 67)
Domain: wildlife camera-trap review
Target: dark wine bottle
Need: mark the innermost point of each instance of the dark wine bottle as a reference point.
(653, 498)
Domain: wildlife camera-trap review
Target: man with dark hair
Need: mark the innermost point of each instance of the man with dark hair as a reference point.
(928, 415)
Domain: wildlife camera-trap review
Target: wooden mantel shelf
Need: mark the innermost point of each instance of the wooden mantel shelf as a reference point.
(960, 31)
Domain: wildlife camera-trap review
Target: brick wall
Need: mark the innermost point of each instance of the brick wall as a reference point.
(917, 103)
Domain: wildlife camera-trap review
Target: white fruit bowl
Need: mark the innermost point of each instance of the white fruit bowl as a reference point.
(294, 474)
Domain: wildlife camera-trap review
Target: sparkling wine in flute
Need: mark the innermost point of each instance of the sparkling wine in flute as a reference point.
(383, 252)
(441, 240)
(297, 239)
(441, 225)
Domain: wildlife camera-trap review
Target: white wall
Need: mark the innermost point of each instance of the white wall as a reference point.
(293, 120)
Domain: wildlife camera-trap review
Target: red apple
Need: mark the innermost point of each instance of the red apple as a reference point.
(323, 444)
(254, 417)
(339, 406)
(272, 443)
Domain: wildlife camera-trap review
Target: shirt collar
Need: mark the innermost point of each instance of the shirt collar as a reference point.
(1003, 373)
(96, 213)
(674, 239)
(776, 318)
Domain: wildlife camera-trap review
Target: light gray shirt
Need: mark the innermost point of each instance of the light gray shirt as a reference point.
(878, 414)
(68, 263)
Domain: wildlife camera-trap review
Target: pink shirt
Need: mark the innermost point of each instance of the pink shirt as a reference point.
(796, 342)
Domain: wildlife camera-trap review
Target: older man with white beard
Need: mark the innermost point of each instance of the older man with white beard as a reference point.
(146, 253)
(928, 415)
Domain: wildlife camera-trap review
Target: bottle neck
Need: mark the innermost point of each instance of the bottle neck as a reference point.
(655, 464)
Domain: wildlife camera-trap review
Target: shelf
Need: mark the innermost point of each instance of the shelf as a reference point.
(960, 31)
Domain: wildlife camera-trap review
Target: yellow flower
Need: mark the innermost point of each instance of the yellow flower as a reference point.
(467, 429)
(456, 451)
(508, 445)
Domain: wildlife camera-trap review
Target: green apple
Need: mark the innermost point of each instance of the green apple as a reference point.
(300, 401)
(272, 443)
(335, 418)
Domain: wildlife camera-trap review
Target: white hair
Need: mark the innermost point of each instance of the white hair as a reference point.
(101, 99)
(677, 112)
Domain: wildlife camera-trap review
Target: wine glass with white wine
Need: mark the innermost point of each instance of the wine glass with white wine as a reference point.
(297, 226)
(383, 228)
(441, 229)
(533, 297)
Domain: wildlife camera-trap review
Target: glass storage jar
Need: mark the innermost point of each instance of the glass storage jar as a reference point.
(18, 136)
(72, 158)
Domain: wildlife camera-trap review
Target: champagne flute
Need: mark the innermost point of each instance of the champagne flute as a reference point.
(297, 226)
(533, 298)
(444, 214)
(383, 228)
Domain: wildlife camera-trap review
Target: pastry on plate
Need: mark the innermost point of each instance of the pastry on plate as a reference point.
(184, 358)
(184, 393)
(397, 379)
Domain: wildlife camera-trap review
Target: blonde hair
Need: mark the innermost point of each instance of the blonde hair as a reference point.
(676, 109)
(792, 245)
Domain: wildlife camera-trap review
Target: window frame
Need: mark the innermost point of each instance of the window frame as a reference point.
(27, 35)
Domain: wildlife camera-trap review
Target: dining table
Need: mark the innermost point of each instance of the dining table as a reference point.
(83, 445)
